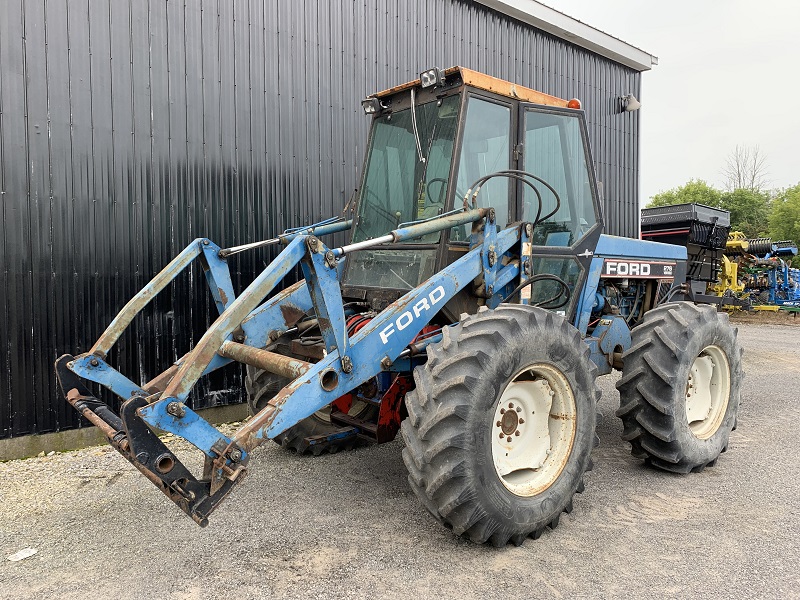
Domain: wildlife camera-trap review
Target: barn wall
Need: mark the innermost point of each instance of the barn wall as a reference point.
(128, 128)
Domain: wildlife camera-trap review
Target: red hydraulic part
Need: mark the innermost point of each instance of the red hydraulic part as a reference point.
(392, 408)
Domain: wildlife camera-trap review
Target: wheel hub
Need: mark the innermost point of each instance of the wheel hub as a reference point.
(508, 424)
(707, 392)
(533, 429)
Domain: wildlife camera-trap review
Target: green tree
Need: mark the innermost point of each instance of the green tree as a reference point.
(749, 211)
(784, 218)
(697, 191)
(749, 208)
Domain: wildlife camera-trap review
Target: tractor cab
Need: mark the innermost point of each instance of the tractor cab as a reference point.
(431, 141)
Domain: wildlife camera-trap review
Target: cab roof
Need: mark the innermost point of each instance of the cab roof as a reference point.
(488, 83)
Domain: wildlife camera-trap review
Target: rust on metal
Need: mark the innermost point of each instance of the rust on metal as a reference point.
(123, 447)
(488, 83)
(291, 368)
(247, 436)
(74, 397)
(222, 295)
(291, 314)
(220, 471)
(211, 342)
(176, 497)
(410, 84)
(140, 300)
(511, 90)
(159, 382)
(561, 417)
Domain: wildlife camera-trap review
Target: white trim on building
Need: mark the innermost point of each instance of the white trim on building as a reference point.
(577, 32)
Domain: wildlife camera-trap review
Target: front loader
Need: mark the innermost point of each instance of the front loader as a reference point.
(473, 308)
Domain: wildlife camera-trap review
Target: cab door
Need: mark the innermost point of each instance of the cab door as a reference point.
(553, 146)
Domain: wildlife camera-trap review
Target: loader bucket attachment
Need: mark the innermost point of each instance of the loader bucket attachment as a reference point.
(129, 435)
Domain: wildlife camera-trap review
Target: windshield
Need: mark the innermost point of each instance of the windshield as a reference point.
(397, 187)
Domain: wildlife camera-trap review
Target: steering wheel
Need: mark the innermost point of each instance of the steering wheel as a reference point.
(442, 188)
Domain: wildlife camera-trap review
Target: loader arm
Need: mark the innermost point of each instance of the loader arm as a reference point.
(245, 325)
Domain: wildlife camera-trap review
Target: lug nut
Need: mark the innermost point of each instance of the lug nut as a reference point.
(499, 423)
(508, 439)
(502, 411)
(510, 405)
(521, 421)
(519, 409)
(516, 432)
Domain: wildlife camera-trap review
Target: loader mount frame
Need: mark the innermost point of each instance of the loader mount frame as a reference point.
(245, 326)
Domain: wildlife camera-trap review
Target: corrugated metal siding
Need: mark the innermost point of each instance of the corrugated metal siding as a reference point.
(128, 128)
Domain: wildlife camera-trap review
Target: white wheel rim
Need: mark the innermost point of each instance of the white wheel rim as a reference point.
(533, 429)
(707, 392)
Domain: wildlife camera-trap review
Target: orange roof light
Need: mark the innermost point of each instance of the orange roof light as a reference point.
(574, 103)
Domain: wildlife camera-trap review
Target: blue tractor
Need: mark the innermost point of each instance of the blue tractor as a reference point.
(472, 310)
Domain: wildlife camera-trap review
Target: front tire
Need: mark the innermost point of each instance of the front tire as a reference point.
(518, 372)
(680, 387)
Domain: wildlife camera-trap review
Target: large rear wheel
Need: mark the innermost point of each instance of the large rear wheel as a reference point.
(680, 387)
(501, 424)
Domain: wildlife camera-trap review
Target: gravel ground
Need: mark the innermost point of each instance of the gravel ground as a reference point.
(348, 526)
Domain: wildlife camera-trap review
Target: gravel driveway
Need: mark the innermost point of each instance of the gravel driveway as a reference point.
(348, 525)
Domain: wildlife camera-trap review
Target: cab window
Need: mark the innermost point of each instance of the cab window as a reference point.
(554, 151)
(485, 149)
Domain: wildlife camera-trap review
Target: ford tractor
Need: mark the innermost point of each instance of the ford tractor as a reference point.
(472, 309)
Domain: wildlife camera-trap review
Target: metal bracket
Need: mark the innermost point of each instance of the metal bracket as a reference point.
(323, 285)
(218, 275)
(490, 257)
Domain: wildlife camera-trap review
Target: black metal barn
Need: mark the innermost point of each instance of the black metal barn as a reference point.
(128, 128)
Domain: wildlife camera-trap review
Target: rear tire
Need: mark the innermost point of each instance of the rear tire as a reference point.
(680, 387)
(262, 386)
(476, 485)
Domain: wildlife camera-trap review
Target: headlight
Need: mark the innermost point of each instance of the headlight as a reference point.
(431, 77)
(371, 105)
